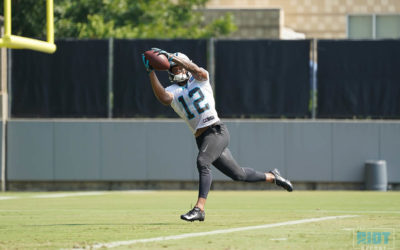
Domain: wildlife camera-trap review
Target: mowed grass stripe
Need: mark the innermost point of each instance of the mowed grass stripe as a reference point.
(223, 231)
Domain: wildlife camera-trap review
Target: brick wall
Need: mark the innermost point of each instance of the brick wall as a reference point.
(316, 18)
(251, 23)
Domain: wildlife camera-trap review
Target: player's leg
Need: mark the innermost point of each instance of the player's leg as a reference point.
(227, 165)
(211, 144)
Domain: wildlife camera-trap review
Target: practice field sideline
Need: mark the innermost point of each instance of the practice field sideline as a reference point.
(234, 220)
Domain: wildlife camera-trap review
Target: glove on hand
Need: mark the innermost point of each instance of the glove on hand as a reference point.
(163, 52)
(148, 67)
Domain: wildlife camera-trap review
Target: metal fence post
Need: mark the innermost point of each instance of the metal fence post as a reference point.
(110, 96)
(211, 61)
(4, 114)
(4, 111)
(314, 78)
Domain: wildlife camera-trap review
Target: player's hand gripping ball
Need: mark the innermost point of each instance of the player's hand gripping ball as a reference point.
(157, 60)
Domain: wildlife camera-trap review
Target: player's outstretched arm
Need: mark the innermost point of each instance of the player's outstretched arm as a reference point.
(159, 91)
(197, 72)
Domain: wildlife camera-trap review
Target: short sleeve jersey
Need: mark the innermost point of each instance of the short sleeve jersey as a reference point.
(194, 103)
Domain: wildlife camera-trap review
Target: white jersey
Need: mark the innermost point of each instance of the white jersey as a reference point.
(194, 103)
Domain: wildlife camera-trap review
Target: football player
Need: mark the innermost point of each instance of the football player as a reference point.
(191, 97)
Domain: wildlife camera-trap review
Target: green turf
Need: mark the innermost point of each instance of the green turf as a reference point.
(54, 223)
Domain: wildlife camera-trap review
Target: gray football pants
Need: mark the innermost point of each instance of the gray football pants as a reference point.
(213, 149)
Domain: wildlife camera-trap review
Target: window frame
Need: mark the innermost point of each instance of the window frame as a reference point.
(373, 15)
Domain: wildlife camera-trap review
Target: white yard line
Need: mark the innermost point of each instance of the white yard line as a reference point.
(279, 239)
(223, 231)
(67, 195)
(7, 197)
(57, 195)
(355, 212)
(72, 194)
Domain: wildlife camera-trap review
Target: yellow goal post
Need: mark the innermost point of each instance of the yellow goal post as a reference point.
(19, 42)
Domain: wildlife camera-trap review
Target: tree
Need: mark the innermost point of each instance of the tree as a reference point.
(28, 17)
(119, 19)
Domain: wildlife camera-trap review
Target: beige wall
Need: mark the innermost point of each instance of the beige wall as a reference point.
(316, 18)
(251, 23)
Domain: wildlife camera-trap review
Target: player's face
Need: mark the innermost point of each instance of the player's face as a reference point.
(178, 70)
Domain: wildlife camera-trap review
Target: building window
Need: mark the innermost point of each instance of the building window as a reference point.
(373, 26)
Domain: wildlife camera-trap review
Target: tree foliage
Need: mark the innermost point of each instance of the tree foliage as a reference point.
(28, 17)
(119, 19)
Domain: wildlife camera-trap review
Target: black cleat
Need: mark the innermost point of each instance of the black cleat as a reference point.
(280, 181)
(194, 214)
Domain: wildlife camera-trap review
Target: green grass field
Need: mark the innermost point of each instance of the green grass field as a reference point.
(29, 222)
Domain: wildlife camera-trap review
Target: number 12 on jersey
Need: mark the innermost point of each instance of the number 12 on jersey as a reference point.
(196, 103)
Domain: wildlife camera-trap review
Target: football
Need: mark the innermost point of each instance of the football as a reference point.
(158, 62)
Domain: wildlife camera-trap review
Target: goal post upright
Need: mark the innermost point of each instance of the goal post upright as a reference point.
(20, 42)
(8, 40)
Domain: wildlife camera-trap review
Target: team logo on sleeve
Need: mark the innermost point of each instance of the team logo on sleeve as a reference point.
(210, 118)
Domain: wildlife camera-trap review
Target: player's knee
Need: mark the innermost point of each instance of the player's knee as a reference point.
(241, 176)
(203, 163)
